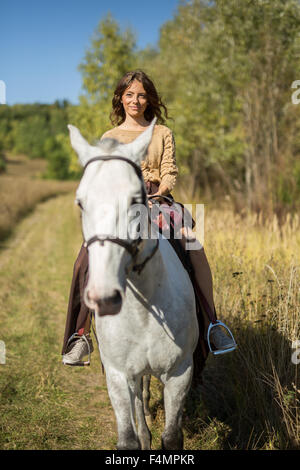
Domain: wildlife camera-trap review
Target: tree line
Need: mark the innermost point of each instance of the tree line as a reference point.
(38, 131)
(224, 70)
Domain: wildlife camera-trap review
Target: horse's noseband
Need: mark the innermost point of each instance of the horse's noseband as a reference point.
(132, 247)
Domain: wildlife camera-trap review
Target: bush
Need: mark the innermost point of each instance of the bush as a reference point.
(57, 157)
(2, 160)
(30, 136)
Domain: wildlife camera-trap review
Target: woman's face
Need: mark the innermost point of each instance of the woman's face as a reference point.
(134, 100)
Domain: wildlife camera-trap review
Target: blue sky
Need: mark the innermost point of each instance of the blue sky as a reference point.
(42, 43)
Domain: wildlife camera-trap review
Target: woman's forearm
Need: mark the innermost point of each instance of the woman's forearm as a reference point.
(163, 190)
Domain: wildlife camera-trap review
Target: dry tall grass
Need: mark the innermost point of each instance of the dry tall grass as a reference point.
(21, 188)
(251, 396)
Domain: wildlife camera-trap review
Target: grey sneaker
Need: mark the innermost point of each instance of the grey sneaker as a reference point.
(220, 340)
(80, 346)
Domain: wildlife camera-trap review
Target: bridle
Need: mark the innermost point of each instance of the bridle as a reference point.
(131, 247)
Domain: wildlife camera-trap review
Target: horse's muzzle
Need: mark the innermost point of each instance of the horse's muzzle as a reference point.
(104, 305)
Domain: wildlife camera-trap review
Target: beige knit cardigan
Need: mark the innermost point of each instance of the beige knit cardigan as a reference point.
(159, 165)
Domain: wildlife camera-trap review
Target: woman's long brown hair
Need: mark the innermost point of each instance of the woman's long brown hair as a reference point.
(155, 104)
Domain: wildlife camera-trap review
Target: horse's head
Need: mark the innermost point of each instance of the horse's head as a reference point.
(107, 190)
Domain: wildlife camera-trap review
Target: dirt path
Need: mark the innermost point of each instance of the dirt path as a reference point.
(44, 404)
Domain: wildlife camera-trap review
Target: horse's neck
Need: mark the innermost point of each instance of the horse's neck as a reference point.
(153, 271)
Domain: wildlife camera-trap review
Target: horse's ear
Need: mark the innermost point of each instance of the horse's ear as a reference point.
(80, 145)
(138, 148)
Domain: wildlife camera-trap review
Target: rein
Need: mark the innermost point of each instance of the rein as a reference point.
(131, 247)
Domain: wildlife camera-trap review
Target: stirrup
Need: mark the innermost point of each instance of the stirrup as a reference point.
(80, 363)
(220, 351)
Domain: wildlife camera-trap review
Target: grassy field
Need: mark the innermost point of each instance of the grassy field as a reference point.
(249, 398)
(21, 188)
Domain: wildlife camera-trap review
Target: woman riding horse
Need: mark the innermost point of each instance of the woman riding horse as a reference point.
(135, 103)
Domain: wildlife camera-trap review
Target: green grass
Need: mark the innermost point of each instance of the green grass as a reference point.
(43, 404)
(21, 189)
(249, 399)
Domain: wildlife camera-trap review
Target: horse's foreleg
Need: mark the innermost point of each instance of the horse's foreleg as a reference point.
(122, 397)
(143, 431)
(146, 398)
(175, 391)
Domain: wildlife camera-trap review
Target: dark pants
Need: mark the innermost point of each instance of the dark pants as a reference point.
(77, 310)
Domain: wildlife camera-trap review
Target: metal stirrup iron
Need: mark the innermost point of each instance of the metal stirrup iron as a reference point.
(214, 322)
(220, 351)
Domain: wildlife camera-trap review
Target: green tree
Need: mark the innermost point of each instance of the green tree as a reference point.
(111, 54)
(58, 157)
(226, 68)
(38, 131)
(2, 159)
(193, 72)
(30, 135)
(6, 125)
(265, 37)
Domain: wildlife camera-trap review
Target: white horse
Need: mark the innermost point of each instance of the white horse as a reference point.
(145, 318)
